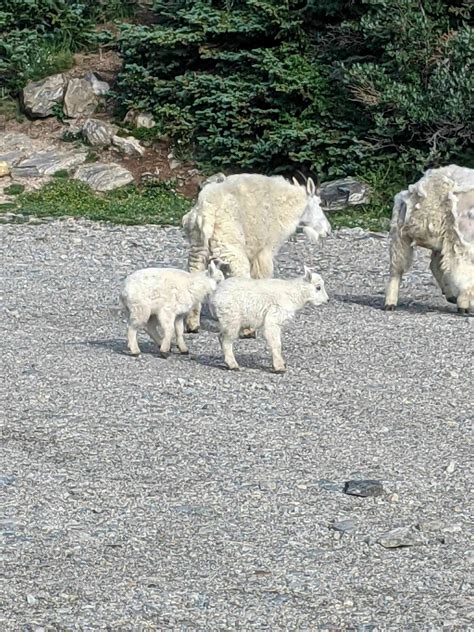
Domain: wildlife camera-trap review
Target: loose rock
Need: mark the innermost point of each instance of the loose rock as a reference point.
(339, 194)
(144, 119)
(44, 163)
(99, 87)
(4, 168)
(98, 133)
(399, 537)
(363, 488)
(129, 146)
(344, 526)
(40, 97)
(80, 99)
(104, 176)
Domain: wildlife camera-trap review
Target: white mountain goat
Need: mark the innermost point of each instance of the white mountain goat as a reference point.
(262, 303)
(161, 297)
(244, 220)
(437, 212)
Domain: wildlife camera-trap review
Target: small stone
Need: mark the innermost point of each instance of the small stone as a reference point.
(450, 467)
(144, 119)
(400, 537)
(393, 498)
(31, 600)
(431, 525)
(129, 146)
(99, 87)
(40, 97)
(174, 164)
(344, 526)
(4, 169)
(364, 488)
(80, 99)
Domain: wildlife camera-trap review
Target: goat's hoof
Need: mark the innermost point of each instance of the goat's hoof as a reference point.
(234, 368)
(280, 371)
(185, 352)
(192, 331)
(390, 308)
(452, 299)
(463, 310)
(164, 354)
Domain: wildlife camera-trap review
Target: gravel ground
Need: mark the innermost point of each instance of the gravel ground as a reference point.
(150, 494)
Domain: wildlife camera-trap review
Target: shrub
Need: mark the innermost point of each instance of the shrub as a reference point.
(334, 87)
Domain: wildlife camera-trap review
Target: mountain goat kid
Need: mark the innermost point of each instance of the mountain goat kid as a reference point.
(161, 297)
(263, 303)
(437, 212)
(244, 219)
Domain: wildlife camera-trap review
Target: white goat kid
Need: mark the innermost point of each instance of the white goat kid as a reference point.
(156, 298)
(244, 220)
(263, 303)
(437, 212)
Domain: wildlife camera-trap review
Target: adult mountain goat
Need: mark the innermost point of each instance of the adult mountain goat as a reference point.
(437, 212)
(244, 220)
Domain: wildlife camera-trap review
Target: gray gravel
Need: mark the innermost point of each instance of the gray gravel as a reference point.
(172, 494)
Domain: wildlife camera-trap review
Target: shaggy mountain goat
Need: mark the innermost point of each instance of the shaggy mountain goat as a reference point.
(263, 303)
(155, 297)
(437, 212)
(244, 220)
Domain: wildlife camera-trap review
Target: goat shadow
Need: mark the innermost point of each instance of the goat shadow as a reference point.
(378, 303)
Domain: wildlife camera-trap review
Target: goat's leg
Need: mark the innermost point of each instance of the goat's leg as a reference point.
(262, 265)
(226, 338)
(137, 319)
(167, 321)
(179, 330)
(401, 257)
(152, 329)
(465, 300)
(197, 262)
(436, 269)
(272, 333)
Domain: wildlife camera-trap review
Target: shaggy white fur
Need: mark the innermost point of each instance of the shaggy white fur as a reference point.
(244, 220)
(437, 212)
(156, 298)
(263, 303)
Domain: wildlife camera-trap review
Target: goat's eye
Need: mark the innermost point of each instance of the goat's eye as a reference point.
(318, 287)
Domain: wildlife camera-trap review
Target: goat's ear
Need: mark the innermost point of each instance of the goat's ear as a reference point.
(310, 187)
(295, 181)
(307, 274)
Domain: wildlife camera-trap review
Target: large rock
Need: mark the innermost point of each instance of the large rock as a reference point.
(104, 176)
(100, 88)
(98, 132)
(339, 194)
(40, 97)
(13, 157)
(129, 146)
(80, 99)
(48, 162)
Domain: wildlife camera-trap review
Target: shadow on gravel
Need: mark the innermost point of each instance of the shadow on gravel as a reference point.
(118, 345)
(245, 362)
(377, 302)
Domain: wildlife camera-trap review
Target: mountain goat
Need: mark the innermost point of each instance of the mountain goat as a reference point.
(437, 212)
(160, 297)
(244, 220)
(262, 303)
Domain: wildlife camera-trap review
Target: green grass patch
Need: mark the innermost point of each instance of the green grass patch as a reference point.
(130, 205)
(14, 189)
